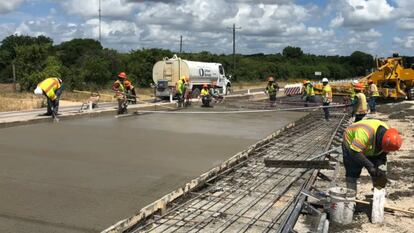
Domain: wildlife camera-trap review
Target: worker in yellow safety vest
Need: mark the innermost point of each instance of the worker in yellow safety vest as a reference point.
(51, 88)
(360, 103)
(271, 89)
(308, 93)
(326, 97)
(120, 93)
(180, 90)
(205, 96)
(366, 144)
(373, 94)
(130, 92)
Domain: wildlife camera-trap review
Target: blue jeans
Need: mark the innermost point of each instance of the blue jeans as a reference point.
(372, 103)
(352, 168)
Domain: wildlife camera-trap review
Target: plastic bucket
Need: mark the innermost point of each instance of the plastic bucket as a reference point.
(342, 205)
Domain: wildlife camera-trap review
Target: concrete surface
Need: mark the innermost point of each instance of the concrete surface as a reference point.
(83, 175)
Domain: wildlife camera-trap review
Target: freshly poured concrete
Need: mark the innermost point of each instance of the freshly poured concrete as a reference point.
(84, 175)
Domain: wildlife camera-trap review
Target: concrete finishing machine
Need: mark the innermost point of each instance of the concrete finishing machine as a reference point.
(167, 72)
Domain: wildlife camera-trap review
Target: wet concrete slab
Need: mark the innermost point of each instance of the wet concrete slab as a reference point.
(83, 175)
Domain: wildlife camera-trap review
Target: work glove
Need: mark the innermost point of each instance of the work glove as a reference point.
(379, 180)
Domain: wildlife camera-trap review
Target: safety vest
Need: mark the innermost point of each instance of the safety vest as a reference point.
(271, 89)
(373, 89)
(49, 87)
(362, 107)
(353, 93)
(309, 90)
(204, 92)
(361, 136)
(120, 88)
(327, 93)
(180, 87)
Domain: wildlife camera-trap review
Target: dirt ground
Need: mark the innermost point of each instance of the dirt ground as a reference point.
(400, 189)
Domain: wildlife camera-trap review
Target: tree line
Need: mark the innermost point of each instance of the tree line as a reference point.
(85, 64)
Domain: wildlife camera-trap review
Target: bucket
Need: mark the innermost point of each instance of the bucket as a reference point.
(342, 205)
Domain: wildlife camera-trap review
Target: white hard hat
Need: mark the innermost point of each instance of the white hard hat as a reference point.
(355, 82)
(325, 80)
(38, 91)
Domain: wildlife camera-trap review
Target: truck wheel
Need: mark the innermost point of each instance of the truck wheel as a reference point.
(195, 93)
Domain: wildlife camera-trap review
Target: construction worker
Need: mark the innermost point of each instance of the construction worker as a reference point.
(373, 94)
(205, 96)
(188, 92)
(52, 88)
(215, 93)
(120, 93)
(326, 97)
(180, 90)
(366, 144)
(308, 93)
(130, 92)
(360, 104)
(271, 89)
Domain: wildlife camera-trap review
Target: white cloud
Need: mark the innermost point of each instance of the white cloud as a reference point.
(406, 23)
(90, 8)
(362, 14)
(7, 6)
(406, 42)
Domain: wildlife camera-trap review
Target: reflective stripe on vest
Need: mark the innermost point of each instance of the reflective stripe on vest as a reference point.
(49, 86)
(362, 106)
(361, 136)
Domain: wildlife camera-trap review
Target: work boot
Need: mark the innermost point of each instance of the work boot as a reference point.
(351, 185)
(46, 114)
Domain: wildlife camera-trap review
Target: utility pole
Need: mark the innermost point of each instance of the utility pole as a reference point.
(234, 47)
(100, 18)
(181, 44)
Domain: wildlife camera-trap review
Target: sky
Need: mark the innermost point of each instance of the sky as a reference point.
(325, 27)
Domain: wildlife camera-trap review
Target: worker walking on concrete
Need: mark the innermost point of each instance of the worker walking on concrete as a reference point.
(308, 93)
(130, 92)
(360, 105)
(373, 94)
(180, 90)
(366, 144)
(120, 93)
(326, 97)
(205, 96)
(52, 88)
(271, 89)
(215, 93)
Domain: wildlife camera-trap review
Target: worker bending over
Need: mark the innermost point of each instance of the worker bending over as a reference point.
(130, 92)
(205, 96)
(271, 89)
(366, 144)
(214, 91)
(326, 97)
(373, 94)
(51, 88)
(180, 90)
(308, 93)
(359, 103)
(120, 93)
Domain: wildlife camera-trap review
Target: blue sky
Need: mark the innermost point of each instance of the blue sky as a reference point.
(330, 27)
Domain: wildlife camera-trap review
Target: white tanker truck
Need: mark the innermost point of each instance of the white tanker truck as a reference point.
(167, 72)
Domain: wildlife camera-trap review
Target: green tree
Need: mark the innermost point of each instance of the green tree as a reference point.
(292, 52)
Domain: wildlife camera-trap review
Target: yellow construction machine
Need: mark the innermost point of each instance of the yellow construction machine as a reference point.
(394, 77)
